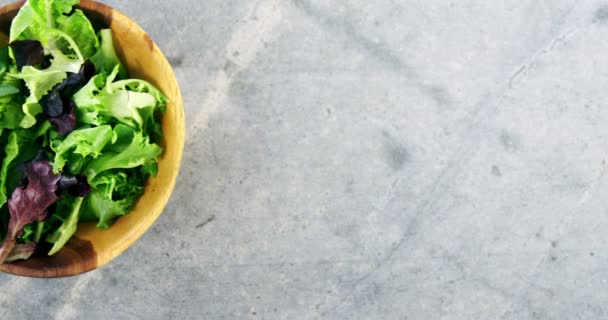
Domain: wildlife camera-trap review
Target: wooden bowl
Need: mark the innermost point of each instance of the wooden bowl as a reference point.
(92, 247)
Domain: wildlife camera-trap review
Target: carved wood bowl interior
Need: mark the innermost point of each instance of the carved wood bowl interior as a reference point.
(92, 247)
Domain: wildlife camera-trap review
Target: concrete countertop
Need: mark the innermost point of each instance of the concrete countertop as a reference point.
(360, 159)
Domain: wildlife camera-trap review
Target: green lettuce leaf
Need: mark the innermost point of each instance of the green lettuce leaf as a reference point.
(79, 28)
(136, 103)
(83, 142)
(99, 206)
(61, 235)
(116, 122)
(7, 90)
(76, 163)
(131, 149)
(30, 110)
(32, 232)
(131, 102)
(37, 17)
(114, 193)
(28, 233)
(31, 18)
(5, 61)
(87, 95)
(137, 85)
(129, 106)
(38, 230)
(105, 59)
(47, 21)
(40, 82)
(88, 107)
(19, 148)
(11, 113)
(68, 39)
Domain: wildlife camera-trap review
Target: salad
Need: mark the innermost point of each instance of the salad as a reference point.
(76, 134)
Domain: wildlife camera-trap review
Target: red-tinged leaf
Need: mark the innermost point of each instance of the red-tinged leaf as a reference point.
(58, 106)
(27, 53)
(30, 204)
(76, 186)
(22, 252)
(65, 123)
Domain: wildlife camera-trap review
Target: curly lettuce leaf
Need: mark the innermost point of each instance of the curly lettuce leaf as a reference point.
(129, 106)
(57, 105)
(137, 85)
(131, 102)
(83, 142)
(98, 206)
(76, 163)
(131, 149)
(41, 82)
(44, 20)
(89, 109)
(37, 15)
(114, 194)
(111, 123)
(30, 110)
(79, 28)
(31, 18)
(87, 103)
(144, 103)
(87, 95)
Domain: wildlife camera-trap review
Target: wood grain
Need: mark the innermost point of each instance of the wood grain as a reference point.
(76, 257)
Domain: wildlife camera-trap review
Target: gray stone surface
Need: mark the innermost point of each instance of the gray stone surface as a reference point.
(388, 159)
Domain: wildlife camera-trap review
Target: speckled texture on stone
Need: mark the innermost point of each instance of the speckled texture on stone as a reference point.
(356, 159)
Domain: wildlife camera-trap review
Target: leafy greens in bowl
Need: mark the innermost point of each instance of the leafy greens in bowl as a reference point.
(78, 138)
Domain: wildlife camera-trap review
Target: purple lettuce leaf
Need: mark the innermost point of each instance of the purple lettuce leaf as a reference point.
(58, 106)
(76, 186)
(27, 53)
(65, 123)
(30, 204)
